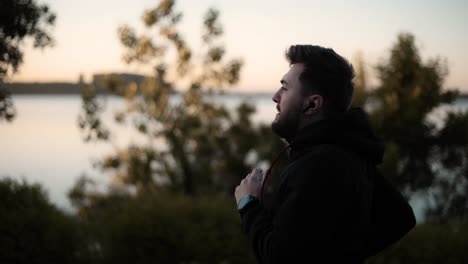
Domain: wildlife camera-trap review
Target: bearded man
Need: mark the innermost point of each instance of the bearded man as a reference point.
(331, 204)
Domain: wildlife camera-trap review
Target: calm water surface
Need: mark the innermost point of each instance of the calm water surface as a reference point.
(44, 144)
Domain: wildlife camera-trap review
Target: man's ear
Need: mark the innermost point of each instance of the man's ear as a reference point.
(312, 104)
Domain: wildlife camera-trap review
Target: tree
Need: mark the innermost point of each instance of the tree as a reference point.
(20, 19)
(194, 144)
(423, 155)
(195, 147)
(360, 81)
(32, 230)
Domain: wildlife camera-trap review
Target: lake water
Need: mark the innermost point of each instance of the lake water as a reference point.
(44, 144)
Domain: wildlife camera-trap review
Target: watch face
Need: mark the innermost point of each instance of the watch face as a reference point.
(242, 203)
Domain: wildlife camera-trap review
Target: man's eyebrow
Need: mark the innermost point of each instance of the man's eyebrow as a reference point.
(283, 81)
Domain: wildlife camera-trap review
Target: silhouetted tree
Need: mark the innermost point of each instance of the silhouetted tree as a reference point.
(20, 19)
(423, 155)
(195, 147)
(194, 144)
(361, 92)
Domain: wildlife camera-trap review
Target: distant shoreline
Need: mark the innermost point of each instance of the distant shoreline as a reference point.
(46, 88)
(67, 88)
(64, 88)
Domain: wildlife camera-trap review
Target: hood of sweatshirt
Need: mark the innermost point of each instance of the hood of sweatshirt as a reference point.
(351, 131)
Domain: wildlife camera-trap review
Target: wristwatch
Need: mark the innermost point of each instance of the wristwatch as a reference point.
(244, 201)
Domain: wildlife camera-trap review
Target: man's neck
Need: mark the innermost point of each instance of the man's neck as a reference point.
(303, 123)
(308, 121)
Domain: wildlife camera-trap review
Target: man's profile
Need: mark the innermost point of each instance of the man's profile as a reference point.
(331, 204)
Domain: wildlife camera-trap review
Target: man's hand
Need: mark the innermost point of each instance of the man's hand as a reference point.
(251, 184)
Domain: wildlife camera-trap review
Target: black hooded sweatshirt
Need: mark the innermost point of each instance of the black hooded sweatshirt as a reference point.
(331, 204)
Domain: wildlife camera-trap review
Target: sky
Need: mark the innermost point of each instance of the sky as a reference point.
(259, 32)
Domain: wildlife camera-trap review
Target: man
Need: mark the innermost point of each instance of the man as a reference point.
(331, 205)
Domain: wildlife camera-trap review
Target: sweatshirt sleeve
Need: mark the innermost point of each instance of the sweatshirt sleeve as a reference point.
(316, 197)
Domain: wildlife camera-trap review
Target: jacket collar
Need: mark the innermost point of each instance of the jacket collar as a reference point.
(350, 131)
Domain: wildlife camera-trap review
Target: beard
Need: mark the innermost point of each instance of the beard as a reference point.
(286, 126)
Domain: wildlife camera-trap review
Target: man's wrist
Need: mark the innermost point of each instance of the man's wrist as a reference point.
(245, 200)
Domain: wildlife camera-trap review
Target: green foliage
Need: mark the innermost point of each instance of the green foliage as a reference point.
(7, 109)
(422, 155)
(163, 228)
(360, 81)
(32, 230)
(428, 243)
(20, 19)
(409, 91)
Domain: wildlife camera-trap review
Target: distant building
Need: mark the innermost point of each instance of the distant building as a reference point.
(81, 79)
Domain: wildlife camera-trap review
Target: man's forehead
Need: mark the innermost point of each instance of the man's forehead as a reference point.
(293, 73)
(296, 67)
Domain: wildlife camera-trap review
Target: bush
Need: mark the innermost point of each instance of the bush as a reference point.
(429, 243)
(166, 228)
(32, 230)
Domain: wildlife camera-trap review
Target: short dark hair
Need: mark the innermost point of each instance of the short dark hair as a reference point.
(326, 73)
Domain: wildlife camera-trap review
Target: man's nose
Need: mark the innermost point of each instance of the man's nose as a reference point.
(276, 97)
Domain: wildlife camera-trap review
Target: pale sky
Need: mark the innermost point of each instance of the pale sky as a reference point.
(258, 31)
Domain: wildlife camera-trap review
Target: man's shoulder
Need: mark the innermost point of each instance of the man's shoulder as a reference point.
(327, 166)
(323, 159)
(325, 153)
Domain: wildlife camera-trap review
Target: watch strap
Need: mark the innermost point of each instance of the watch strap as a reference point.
(244, 201)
